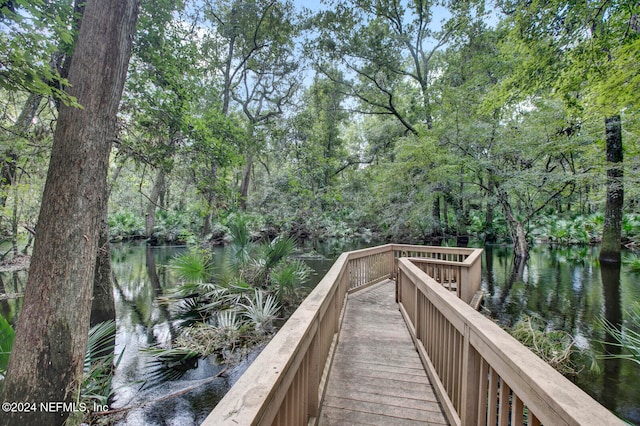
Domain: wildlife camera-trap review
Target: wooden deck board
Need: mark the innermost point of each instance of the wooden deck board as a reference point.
(377, 377)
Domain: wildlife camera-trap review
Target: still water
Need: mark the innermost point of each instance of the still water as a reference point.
(566, 289)
(563, 288)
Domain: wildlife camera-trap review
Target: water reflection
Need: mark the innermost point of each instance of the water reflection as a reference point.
(564, 288)
(567, 289)
(613, 315)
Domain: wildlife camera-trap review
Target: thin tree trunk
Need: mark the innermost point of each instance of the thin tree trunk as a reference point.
(611, 233)
(158, 187)
(516, 228)
(10, 158)
(47, 359)
(462, 219)
(206, 229)
(436, 229)
(246, 178)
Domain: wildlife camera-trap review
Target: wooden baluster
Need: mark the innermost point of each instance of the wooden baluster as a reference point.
(493, 398)
(482, 393)
(504, 411)
(517, 411)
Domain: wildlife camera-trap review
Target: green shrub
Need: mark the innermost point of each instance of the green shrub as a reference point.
(196, 265)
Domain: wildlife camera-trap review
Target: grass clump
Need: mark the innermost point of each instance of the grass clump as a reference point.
(555, 347)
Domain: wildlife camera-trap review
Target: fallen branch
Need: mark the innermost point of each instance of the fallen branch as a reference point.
(164, 398)
(8, 296)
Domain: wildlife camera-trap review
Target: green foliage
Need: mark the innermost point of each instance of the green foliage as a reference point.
(631, 226)
(287, 280)
(125, 225)
(169, 364)
(6, 343)
(175, 226)
(100, 364)
(627, 338)
(32, 33)
(196, 265)
(223, 317)
(272, 254)
(261, 310)
(241, 242)
(632, 263)
(581, 230)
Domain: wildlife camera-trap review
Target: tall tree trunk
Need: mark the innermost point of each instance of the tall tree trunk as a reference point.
(158, 187)
(246, 178)
(462, 218)
(211, 197)
(611, 233)
(436, 229)
(47, 359)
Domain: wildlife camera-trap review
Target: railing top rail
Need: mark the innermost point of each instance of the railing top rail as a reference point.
(465, 250)
(554, 399)
(356, 254)
(473, 254)
(417, 260)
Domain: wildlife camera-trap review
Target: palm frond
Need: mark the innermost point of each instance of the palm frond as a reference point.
(193, 266)
(169, 364)
(100, 363)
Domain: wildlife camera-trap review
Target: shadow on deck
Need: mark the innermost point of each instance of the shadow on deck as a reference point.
(377, 376)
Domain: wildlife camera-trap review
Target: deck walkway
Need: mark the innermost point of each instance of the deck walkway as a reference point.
(377, 377)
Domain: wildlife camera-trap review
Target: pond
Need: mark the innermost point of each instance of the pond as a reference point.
(564, 288)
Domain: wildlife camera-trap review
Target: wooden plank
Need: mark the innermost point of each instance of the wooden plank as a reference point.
(377, 376)
(339, 417)
(426, 402)
(391, 389)
(386, 410)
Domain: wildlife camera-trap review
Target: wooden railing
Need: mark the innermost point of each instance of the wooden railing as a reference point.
(481, 374)
(285, 383)
(457, 269)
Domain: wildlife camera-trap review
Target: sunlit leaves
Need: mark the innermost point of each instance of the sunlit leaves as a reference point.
(31, 34)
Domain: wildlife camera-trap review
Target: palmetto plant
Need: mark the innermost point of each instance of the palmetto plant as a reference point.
(628, 338)
(194, 266)
(100, 363)
(236, 310)
(272, 254)
(241, 246)
(632, 262)
(6, 343)
(169, 364)
(261, 311)
(287, 279)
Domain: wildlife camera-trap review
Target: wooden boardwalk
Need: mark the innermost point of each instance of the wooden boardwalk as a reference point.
(377, 377)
